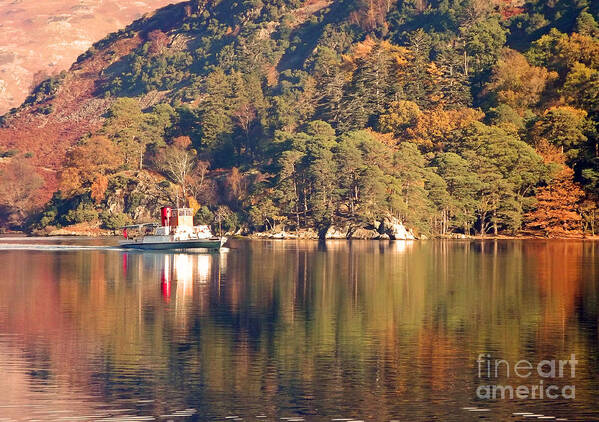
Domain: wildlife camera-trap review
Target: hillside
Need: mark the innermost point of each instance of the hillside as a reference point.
(44, 38)
(453, 117)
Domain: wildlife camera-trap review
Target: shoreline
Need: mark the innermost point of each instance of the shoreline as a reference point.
(103, 233)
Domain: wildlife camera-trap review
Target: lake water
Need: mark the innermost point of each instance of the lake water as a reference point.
(282, 329)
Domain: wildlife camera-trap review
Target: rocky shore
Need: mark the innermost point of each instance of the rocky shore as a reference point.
(389, 229)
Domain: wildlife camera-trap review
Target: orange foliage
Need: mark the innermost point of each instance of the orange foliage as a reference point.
(182, 142)
(77, 112)
(70, 181)
(556, 213)
(371, 14)
(434, 127)
(579, 48)
(19, 184)
(549, 152)
(98, 154)
(516, 82)
(87, 166)
(384, 138)
(361, 50)
(98, 188)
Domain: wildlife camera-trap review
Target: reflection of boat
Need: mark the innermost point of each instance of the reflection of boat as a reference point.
(176, 231)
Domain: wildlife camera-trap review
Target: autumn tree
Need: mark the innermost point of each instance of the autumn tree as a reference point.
(400, 116)
(556, 213)
(88, 166)
(434, 127)
(19, 188)
(517, 83)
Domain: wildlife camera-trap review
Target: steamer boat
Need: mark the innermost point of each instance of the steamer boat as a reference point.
(175, 232)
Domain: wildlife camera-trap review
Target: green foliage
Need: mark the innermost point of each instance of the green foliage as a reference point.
(45, 91)
(147, 73)
(9, 153)
(114, 221)
(132, 201)
(204, 216)
(85, 212)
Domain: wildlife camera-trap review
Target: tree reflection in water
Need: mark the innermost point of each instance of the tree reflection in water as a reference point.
(376, 330)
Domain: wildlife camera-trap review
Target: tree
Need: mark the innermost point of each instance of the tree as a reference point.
(157, 42)
(564, 127)
(399, 116)
(463, 186)
(516, 83)
(418, 82)
(578, 48)
(508, 169)
(330, 80)
(297, 101)
(123, 125)
(361, 159)
(556, 212)
(178, 161)
(454, 85)
(321, 173)
(134, 130)
(375, 66)
(483, 43)
(587, 25)
(408, 197)
(87, 166)
(581, 88)
(435, 127)
(289, 183)
(264, 213)
(19, 188)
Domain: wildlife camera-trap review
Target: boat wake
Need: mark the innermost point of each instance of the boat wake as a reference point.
(72, 248)
(37, 247)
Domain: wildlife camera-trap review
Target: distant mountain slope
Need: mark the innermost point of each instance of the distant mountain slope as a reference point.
(44, 37)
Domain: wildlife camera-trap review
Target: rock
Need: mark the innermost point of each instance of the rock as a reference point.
(307, 234)
(399, 232)
(282, 235)
(384, 236)
(423, 237)
(361, 233)
(396, 230)
(336, 232)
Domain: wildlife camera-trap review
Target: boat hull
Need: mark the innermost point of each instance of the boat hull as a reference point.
(175, 245)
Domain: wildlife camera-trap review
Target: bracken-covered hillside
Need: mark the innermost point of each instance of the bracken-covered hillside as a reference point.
(41, 38)
(451, 116)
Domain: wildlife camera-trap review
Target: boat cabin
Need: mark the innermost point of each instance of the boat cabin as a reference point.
(176, 217)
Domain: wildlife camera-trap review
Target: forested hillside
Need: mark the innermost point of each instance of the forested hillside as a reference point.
(452, 116)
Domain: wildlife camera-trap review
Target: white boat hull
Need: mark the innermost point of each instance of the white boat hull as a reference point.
(167, 243)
